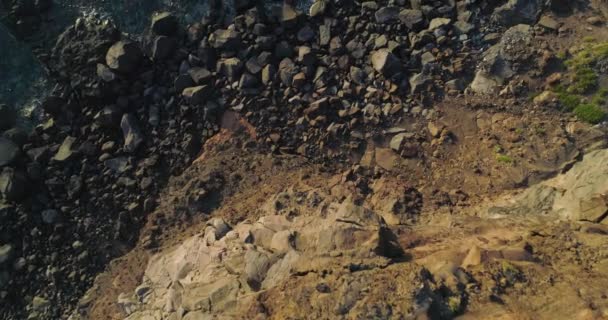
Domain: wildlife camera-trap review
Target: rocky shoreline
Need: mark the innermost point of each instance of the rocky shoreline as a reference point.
(127, 114)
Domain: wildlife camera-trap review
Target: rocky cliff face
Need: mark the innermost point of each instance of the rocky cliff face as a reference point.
(333, 162)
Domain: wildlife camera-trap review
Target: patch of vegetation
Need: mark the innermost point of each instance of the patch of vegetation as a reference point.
(588, 39)
(503, 158)
(540, 130)
(600, 97)
(533, 94)
(585, 79)
(568, 101)
(562, 55)
(582, 96)
(590, 112)
(455, 304)
(508, 268)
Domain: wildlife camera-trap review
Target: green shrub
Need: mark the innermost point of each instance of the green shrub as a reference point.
(600, 97)
(503, 158)
(590, 112)
(584, 80)
(569, 101)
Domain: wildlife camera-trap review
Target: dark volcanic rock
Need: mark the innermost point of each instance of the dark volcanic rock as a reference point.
(164, 24)
(182, 82)
(163, 47)
(7, 117)
(66, 150)
(13, 184)
(518, 11)
(200, 75)
(387, 15)
(9, 152)
(413, 19)
(105, 73)
(131, 133)
(385, 62)
(197, 95)
(229, 40)
(123, 56)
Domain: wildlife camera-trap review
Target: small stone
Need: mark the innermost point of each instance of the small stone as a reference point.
(104, 73)
(182, 82)
(463, 27)
(545, 97)
(231, 68)
(108, 117)
(248, 81)
(385, 62)
(397, 141)
(40, 304)
(49, 216)
(357, 75)
(225, 39)
(200, 75)
(549, 23)
(439, 23)
(413, 19)
(317, 8)
(6, 252)
(306, 34)
(387, 15)
(131, 133)
(65, 150)
(306, 56)
(595, 20)
(435, 129)
(197, 95)
(324, 35)
(268, 74)
(13, 184)
(289, 15)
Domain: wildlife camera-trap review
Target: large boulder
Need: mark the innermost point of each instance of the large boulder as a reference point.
(579, 194)
(497, 65)
(123, 56)
(164, 24)
(517, 12)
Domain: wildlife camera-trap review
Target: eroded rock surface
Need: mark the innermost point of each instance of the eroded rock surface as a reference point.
(579, 194)
(217, 271)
